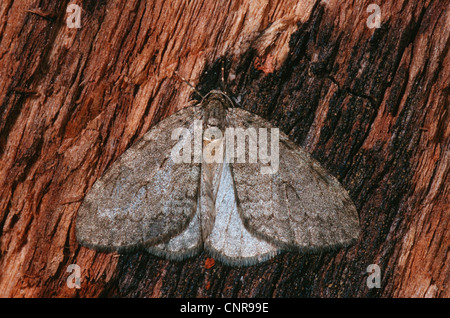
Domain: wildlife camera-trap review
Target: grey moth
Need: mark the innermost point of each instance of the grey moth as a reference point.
(216, 177)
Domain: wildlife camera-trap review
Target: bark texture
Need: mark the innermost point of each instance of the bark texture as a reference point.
(371, 104)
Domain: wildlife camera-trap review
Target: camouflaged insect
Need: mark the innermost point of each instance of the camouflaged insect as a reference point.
(148, 199)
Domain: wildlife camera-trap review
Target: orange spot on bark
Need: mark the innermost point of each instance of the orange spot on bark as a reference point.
(209, 263)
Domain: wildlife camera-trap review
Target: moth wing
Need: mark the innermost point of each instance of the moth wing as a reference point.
(144, 198)
(229, 240)
(301, 206)
(186, 244)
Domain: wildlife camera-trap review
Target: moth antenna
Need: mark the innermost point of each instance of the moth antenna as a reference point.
(190, 85)
(222, 70)
(232, 99)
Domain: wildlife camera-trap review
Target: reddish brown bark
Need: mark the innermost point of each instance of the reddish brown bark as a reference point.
(371, 104)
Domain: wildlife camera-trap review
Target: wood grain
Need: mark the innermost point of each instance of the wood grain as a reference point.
(370, 104)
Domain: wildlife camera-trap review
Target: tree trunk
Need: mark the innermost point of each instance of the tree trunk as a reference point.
(371, 104)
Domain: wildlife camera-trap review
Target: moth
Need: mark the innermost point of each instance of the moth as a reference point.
(242, 207)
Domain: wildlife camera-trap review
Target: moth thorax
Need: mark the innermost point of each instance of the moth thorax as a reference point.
(215, 112)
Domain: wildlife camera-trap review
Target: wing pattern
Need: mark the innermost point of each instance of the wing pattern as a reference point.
(145, 197)
(305, 208)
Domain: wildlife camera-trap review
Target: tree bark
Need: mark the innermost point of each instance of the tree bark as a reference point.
(371, 104)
